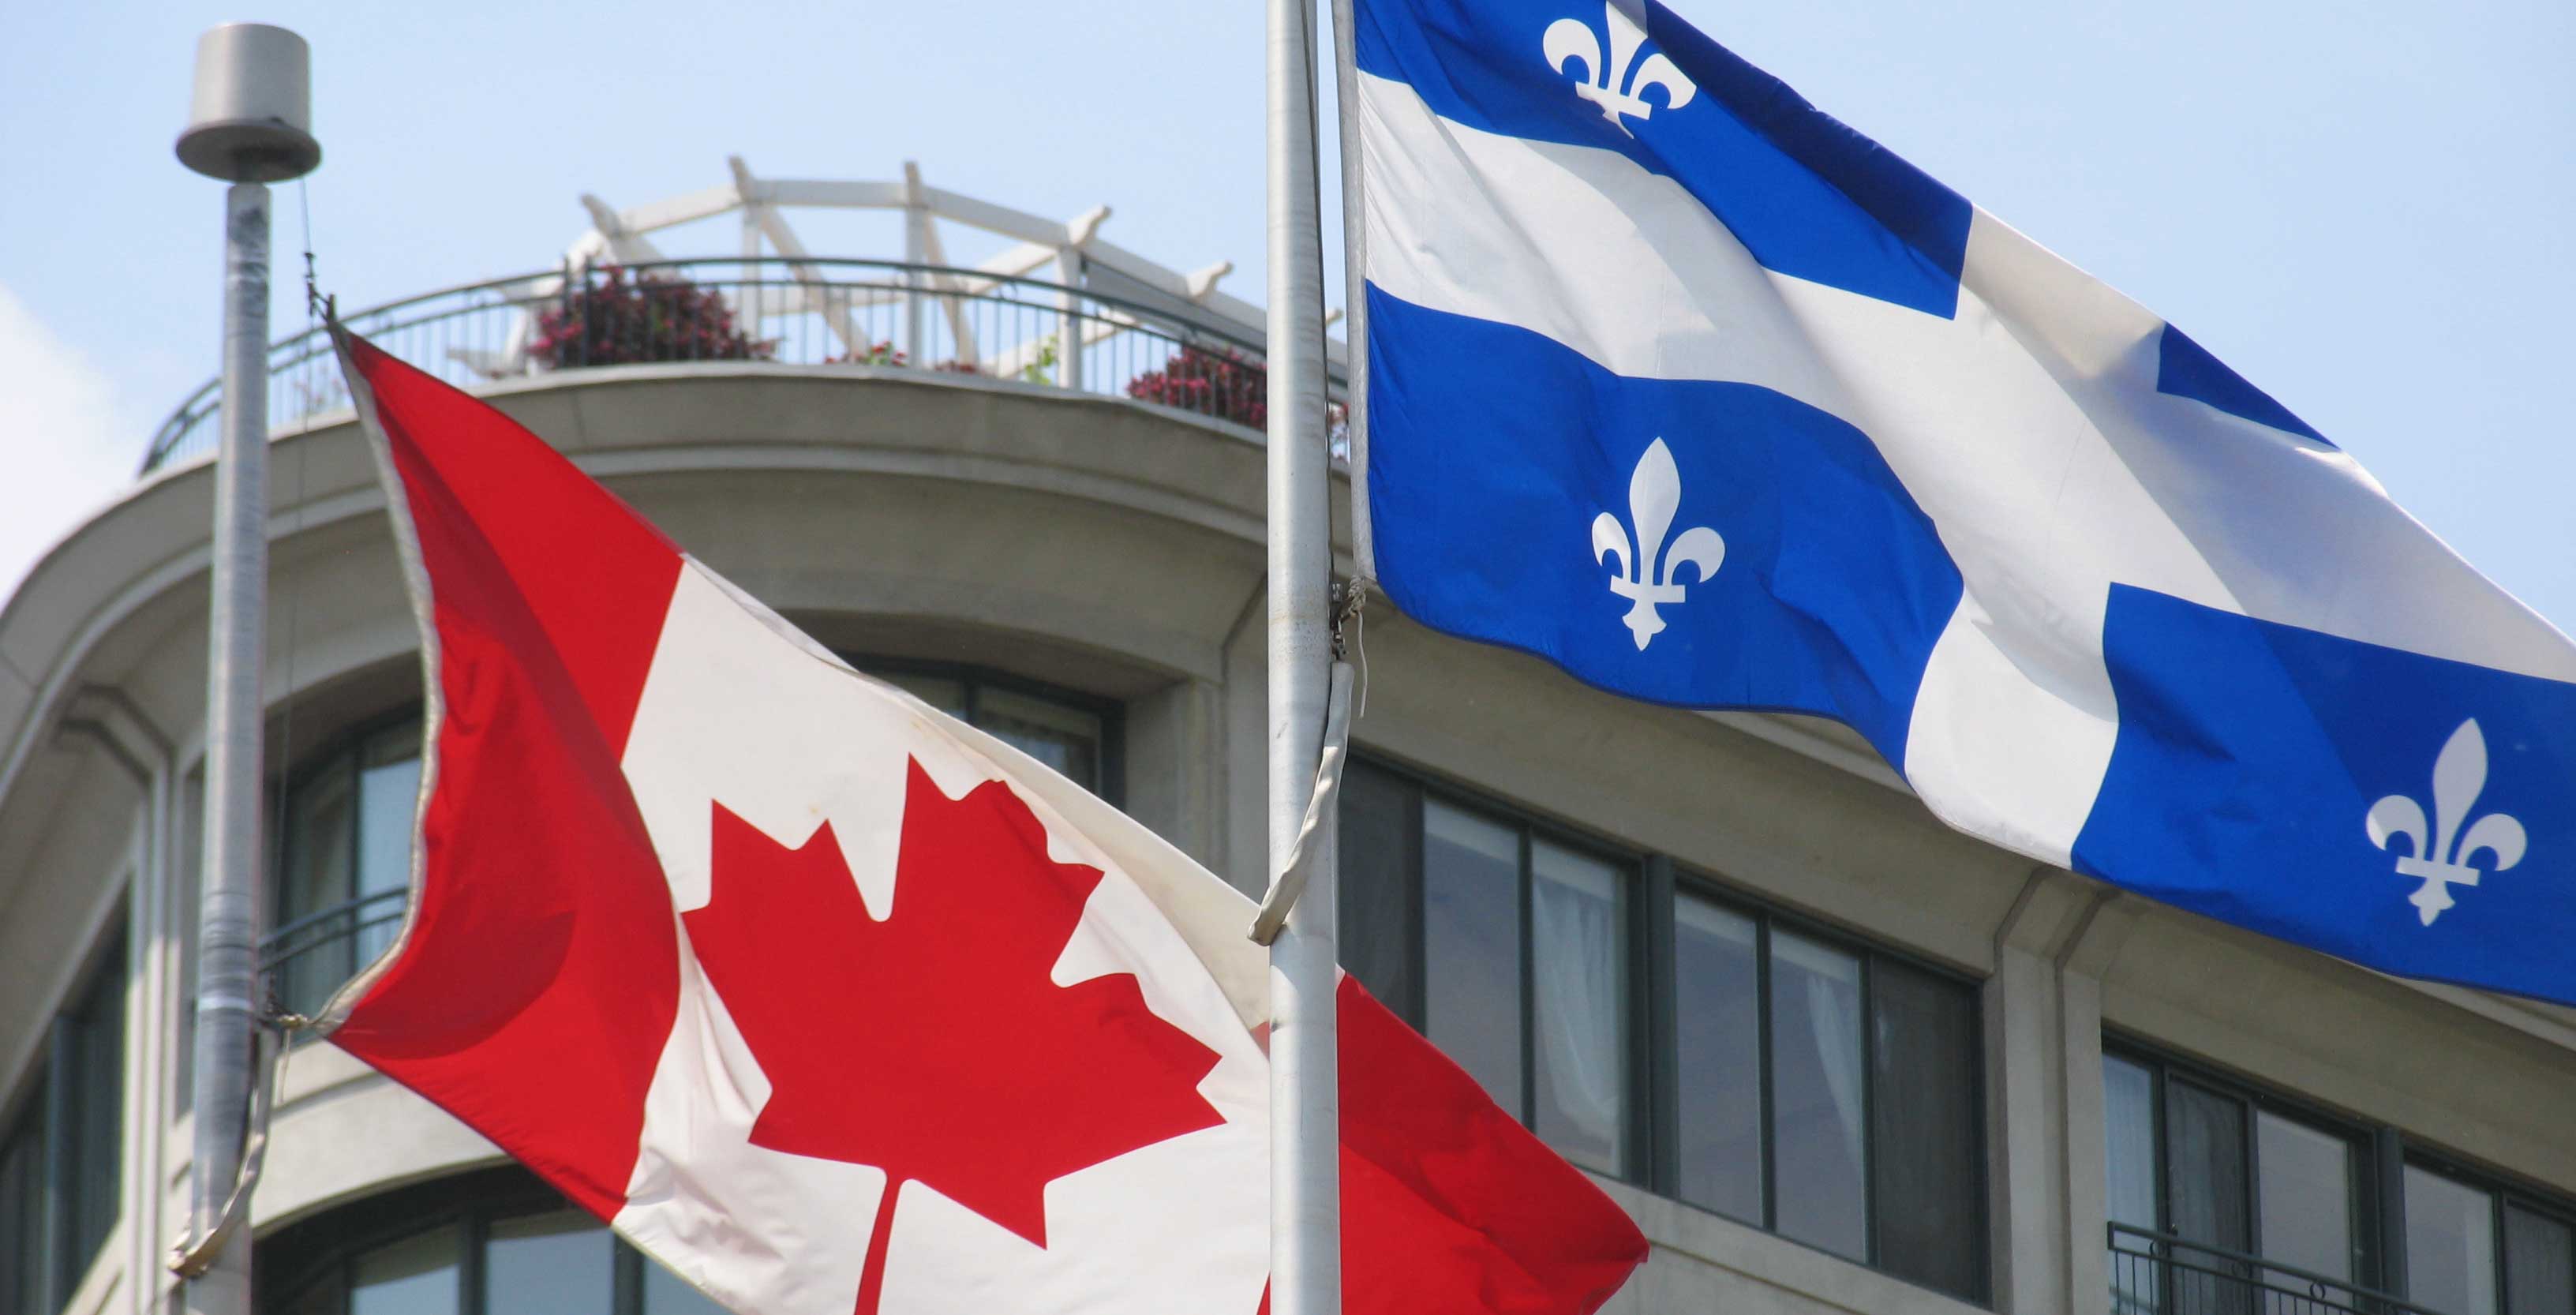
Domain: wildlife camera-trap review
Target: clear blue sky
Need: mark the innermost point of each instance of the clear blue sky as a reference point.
(2367, 207)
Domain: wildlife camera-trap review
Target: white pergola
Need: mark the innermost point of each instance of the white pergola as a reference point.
(1073, 247)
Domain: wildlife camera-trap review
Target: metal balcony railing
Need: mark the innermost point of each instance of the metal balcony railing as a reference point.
(2164, 1274)
(307, 958)
(803, 312)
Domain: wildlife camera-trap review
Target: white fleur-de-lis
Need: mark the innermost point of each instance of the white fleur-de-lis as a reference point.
(1617, 84)
(1646, 576)
(2443, 853)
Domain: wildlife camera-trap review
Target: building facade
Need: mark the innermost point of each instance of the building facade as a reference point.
(1831, 1055)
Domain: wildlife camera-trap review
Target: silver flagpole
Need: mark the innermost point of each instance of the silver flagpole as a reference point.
(1305, 1125)
(247, 125)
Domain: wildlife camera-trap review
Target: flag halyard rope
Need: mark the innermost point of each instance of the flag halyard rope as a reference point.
(191, 1256)
(1290, 882)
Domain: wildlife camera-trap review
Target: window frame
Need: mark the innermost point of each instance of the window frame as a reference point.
(2369, 1206)
(1637, 1141)
(1769, 918)
(324, 1249)
(76, 1033)
(2384, 1153)
(23, 1121)
(345, 747)
(42, 1102)
(976, 677)
(2504, 1191)
(1651, 1156)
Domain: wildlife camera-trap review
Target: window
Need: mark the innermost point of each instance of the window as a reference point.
(498, 1242)
(2219, 1178)
(1544, 966)
(89, 1066)
(1791, 1050)
(1540, 1018)
(344, 856)
(2223, 1198)
(1525, 974)
(2476, 1248)
(188, 906)
(23, 1274)
(1927, 1142)
(1075, 734)
(345, 862)
(2539, 1260)
(61, 1153)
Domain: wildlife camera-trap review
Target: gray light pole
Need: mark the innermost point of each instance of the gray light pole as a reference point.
(249, 123)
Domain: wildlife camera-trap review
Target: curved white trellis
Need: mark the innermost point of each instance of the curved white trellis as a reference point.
(1074, 247)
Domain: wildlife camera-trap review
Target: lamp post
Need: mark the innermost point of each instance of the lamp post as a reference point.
(249, 123)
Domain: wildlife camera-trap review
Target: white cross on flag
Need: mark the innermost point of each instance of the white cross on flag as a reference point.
(834, 1005)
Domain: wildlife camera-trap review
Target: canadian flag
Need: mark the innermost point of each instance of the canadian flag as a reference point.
(835, 1005)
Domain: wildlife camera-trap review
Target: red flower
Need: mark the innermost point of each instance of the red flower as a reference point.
(652, 318)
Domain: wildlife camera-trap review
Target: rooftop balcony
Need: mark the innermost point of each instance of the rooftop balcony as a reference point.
(1107, 322)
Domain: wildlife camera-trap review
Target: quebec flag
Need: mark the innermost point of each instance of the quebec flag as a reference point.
(1685, 386)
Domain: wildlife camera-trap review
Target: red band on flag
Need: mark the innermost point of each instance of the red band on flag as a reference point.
(540, 972)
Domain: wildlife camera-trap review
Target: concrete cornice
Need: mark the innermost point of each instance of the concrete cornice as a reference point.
(152, 537)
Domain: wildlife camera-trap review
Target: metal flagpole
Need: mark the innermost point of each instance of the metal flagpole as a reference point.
(247, 124)
(1305, 1132)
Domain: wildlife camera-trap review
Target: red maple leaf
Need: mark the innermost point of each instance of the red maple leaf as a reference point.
(934, 1044)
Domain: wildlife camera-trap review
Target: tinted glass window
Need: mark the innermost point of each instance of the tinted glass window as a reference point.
(326, 1295)
(22, 1205)
(1066, 739)
(320, 850)
(1510, 950)
(551, 1264)
(191, 839)
(1647, 1027)
(1472, 942)
(1926, 1144)
(1579, 1004)
(2205, 1166)
(94, 1032)
(2450, 1244)
(666, 1294)
(2129, 1184)
(1057, 732)
(1376, 882)
(491, 1242)
(942, 692)
(2304, 1199)
(349, 817)
(2539, 1264)
(2195, 1158)
(1718, 1027)
(348, 837)
(2205, 1186)
(388, 796)
(415, 1276)
(1817, 1094)
(2129, 1143)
